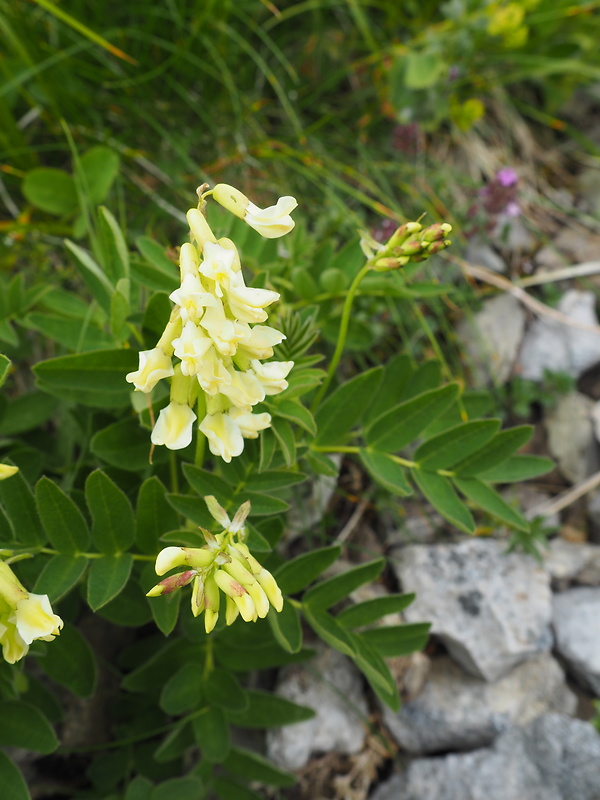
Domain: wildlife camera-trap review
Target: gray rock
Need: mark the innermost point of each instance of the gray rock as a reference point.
(577, 628)
(333, 688)
(492, 338)
(552, 758)
(573, 561)
(479, 252)
(491, 609)
(551, 345)
(458, 712)
(571, 436)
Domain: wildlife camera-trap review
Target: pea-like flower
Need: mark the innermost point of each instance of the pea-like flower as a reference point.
(153, 366)
(174, 426)
(271, 222)
(24, 616)
(224, 564)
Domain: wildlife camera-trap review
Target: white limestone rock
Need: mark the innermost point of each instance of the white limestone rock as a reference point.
(491, 609)
(571, 436)
(577, 629)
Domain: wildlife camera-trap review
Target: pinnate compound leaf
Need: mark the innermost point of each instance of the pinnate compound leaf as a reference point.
(402, 424)
(297, 574)
(224, 690)
(113, 526)
(23, 725)
(226, 789)
(396, 375)
(252, 766)
(11, 780)
(60, 574)
(438, 490)
(187, 788)
(274, 479)
(211, 732)
(370, 611)
(342, 410)
(286, 627)
(70, 661)
(376, 671)
(183, 691)
(286, 439)
(398, 640)
(295, 412)
(204, 482)
(107, 577)
(332, 590)
(387, 472)
(499, 449)
(266, 710)
(489, 500)
(453, 445)
(62, 520)
(517, 468)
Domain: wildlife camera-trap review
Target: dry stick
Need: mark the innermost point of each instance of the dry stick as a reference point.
(541, 309)
(556, 504)
(353, 521)
(566, 273)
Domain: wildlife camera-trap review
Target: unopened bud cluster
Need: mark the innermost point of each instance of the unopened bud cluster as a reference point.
(410, 242)
(225, 565)
(216, 335)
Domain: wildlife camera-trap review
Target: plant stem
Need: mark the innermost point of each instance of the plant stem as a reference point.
(343, 333)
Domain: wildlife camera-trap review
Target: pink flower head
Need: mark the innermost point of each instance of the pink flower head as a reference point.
(507, 176)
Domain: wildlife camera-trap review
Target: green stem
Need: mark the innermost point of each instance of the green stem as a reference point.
(404, 462)
(173, 472)
(50, 552)
(343, 333)
(200, 437)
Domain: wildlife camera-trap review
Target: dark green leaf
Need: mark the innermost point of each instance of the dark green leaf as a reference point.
(51, 190)
(211, 732)
(157, 270)
(438, 490)
(27, 412)
(12, 781)
(94, 379)
(268, 445)
(187, 788)
(112, 518)
(222, 688)
(294, 411)
(165, 611)
(194, 508)
(370, 611)
(424, 379)
(205, 483)
(22, 725)
(126, 445)
(266, 656)
(396, 375)
(59, 576)
(107, 577)
(263, 505)
(251, 766)
(322, 464)
(154, 515)
(286, 627)
(495, 452)
(447, 448)
(374, 668)
(231, 790)
(19, 505)
(401, 425)
(398, 640)
(4, 368)
(297, 574)
(115, 252)
(387, 472)
(271, 480)
(266, 710)
(98, 167)
(342, 410)
(517, 468)
(489, 500)
(183, 691)
(286, 439)
(69, 660)
(62, 520)
(74, 334)
(332, 590)
(329, 629)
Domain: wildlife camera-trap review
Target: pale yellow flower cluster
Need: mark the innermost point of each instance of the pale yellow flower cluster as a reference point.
(24, 617)
(224, 564)
(216, 334)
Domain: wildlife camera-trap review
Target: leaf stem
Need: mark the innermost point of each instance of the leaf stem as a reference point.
(342, 334)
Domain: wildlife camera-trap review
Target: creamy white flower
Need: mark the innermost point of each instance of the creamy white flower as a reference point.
(244, 389)
(218, 266)
(223, 434)
(170, 557)
(212, 373)
(246, 303)
(250, 424)
(272, 375)
(224, 332)
(274, 221)
(174, 426)
(192, 298)
(35, 619)
(200, 228)
(260, 342)
(191, 347)
(188, 260)
(153, 366)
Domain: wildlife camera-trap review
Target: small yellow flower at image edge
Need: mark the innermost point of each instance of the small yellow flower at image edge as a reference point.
(24, 617)
(225, 565)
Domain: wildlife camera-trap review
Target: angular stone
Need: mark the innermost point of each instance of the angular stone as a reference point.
(552, 345)
(573, 561)
(571, 436)
(577, 629)
(333, 689)
(456, 711)
(493, 337)
(491, 609)
(553, 758)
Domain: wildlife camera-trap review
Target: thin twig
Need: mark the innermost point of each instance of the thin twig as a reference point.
(556, 504)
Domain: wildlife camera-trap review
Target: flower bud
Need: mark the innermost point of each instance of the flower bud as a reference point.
(436, 232)
(238, 593)
(172, 583)
(200, 228)
(402, 233)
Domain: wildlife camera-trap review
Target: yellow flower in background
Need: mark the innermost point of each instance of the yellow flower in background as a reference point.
(7, 471)
(24, 617)
(224, 564)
